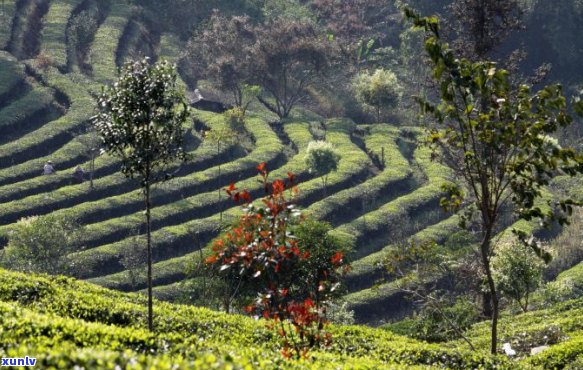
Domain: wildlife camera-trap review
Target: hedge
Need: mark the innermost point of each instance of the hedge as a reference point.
(65, 322)
(53, 40)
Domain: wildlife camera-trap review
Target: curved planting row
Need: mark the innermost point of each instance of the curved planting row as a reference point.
(54, 33)
(175, 224)
(26, 28)
(137, 41)
(392, 221)
(387, 299)
(99, 203)
(369, 268)
(102, 55)
(31, 111)
(393, 181)
(79, 45)
(49, 141)
(7, 11)
(172, 270)
(12, 79)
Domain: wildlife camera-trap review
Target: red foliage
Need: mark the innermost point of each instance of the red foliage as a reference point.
(261, 249)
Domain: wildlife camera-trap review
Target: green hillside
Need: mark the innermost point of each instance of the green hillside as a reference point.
(47, 101)
(57, 55)
(64, 323)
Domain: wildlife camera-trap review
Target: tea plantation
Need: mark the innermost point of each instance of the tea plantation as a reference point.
(64, 322)
(385, 192)
(47, 99)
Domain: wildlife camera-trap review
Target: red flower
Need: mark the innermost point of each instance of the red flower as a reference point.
(230, 189)
(291, 178)
(337, 258)
(211, 259)
(249, 309)
(278, 187)
(245, 196)
(261, 168)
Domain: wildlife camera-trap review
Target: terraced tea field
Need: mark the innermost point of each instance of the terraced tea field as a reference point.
(47, 89)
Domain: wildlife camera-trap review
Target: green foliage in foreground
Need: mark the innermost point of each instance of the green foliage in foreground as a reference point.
(64, 322)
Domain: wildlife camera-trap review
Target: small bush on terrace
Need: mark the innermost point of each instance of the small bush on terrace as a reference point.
(518, 272)
(41, 244)
(322, 158)
(379, 91)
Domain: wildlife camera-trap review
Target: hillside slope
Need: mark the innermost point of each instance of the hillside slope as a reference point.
(63, 322)
(47, 85)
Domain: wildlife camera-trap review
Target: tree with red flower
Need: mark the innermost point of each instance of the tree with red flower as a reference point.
(293, 276)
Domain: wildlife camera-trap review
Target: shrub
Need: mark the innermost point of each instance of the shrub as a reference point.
(261, 253)
(322, 158)
(379, 91)
(82, 27)
(441, 319)
(518, 271)
(41, 244)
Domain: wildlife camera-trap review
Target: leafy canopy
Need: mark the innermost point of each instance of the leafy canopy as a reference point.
(498, 140)
(379, 90)
(41, 244)
(321, 157)
(140, 118)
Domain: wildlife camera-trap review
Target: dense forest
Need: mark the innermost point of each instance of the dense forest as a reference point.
(296, 184)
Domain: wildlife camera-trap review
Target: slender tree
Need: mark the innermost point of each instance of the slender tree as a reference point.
(322, 158)
(497, 139)
(140, 120)
(92, 143)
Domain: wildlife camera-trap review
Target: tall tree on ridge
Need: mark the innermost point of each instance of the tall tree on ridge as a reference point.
(140, 120)
(498, 140)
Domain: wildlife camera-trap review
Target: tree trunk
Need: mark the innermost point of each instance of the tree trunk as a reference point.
(487, 305)
(485, 249)
(149, 247)
(219, 184)
(92, 169)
